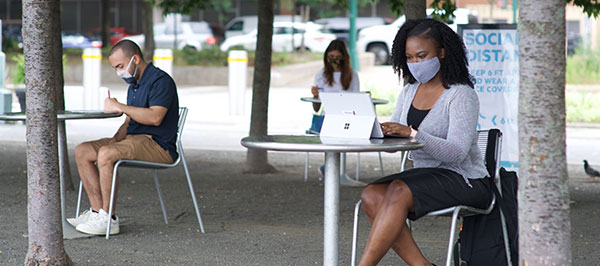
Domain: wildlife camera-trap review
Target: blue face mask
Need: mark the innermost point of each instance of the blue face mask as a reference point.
(424, 71)
(126, 76)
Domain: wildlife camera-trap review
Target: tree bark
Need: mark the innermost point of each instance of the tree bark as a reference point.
(544, 227)
(105, 32)
(257, 160)
(40, 21)
(415, 9)
(147, 30)
(63, 151)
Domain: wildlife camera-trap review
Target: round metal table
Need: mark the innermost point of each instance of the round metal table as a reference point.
(69, 231)
(332, 147)
(62, 115)
(317, 100)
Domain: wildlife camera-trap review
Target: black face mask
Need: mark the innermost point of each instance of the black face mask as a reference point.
(335, 61)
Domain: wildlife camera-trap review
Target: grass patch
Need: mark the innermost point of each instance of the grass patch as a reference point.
(583, 67)
(583, 107)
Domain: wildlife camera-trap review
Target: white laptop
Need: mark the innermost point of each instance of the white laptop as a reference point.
(349, 115)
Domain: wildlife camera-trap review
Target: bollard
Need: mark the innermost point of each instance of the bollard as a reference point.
(163, 59)
(238, 65)
(92, 99)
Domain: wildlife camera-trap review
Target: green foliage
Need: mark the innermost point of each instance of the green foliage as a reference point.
(389, 93)
(205, 57)
(583, 67)
(18, 75)
(215, 57)
(397, 6)
(590, 7)
(443, 10)
(582, 107)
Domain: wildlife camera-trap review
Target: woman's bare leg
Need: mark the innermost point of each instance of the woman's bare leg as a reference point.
(387, 206)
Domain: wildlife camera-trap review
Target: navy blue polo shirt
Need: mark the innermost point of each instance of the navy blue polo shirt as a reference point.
(156, 88)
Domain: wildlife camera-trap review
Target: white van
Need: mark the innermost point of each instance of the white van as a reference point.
(246, 24)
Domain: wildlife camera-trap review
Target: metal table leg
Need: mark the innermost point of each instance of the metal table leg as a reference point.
(69, 231)
(345, 180)
(331, 208)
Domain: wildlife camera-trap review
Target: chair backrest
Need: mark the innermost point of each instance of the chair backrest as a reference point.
(182, 116)
(490, 146)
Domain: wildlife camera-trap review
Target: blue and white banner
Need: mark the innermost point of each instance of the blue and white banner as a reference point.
(493, 55)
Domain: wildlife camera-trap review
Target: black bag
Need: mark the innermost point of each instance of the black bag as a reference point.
(481, 241)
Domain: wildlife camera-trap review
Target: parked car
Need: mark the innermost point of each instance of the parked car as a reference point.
(74, 40)
(379, 39)
(193, 34)
(340, 26)
(246, 24)
(116, 34)
(314, 38)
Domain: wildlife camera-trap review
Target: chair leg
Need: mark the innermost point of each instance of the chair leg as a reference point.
(189, 180)
(355, 231)
(381, 165)
(357, 165)
(452, 236)
(306, 168)
(79, 199)
(506, 243)
(160, 198)
(112, 198)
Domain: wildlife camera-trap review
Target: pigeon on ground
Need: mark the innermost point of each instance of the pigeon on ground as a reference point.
(589, 170)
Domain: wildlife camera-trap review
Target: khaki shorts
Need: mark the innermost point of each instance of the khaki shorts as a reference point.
(137, 147)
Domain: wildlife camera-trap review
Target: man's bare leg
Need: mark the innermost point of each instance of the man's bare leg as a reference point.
(85, 158)
(107, 157)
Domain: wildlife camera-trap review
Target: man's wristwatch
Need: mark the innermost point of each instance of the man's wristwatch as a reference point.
(413, 132)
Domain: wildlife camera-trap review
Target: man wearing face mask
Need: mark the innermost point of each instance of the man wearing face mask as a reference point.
(148, 134)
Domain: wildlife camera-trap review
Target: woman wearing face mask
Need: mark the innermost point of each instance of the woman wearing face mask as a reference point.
(337, 74)
(439, 108)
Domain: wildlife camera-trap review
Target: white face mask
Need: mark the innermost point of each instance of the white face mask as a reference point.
(125, 75)
(424, 71)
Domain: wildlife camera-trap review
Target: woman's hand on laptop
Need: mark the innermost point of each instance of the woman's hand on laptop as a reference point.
(395, 129)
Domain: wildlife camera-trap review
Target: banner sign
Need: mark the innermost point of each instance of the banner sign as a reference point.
(493, 55)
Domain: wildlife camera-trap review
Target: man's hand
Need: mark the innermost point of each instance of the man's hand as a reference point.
(111, 105)
(315, 91)
(395, 129)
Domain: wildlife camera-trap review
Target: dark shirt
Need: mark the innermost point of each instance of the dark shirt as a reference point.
(415, 116)
(156, 88)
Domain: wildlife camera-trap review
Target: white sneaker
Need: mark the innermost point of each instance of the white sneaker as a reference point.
(96, 224)
(83, 217)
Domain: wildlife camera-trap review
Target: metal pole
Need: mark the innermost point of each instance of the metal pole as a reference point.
(353, 54)
(331, 210)
(515, 6)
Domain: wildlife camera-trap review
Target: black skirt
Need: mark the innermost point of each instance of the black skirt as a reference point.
(437, 188)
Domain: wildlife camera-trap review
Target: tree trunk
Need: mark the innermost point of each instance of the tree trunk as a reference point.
(147, 30)
(256, 160)
(415, 9)
(105, 33)
(544, 227)
(63, 152)
(40, 21)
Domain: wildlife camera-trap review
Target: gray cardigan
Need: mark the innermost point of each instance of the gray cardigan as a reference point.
(448, 132)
